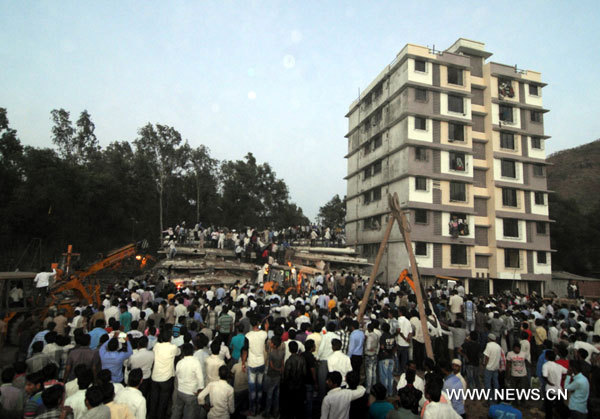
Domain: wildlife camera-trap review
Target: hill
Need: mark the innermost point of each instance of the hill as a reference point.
(575, 206)
(575, 175)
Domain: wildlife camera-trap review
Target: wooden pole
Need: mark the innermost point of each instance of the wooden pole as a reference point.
(405, 230)
(386, 237)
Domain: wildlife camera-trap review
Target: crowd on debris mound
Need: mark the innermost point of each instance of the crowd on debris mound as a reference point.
(153, 350)
(249, 240)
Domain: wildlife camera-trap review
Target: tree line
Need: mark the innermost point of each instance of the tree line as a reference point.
(99, 198)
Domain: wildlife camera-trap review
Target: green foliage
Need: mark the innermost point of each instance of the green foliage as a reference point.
(101, 198)
(333, 213)
(253, 196)
(574, 236)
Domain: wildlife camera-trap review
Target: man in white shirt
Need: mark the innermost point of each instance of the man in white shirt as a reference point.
(135, 312)
(221, 396)
(77, 400)
(339, 361)
(132, 397)
(456, 305)
(491, 361)
(324, 351)
(403, 336)
(189, 381)
(42, 280)
(253, 360)
(162, 375)
(143, 359)
(437, 408)
(213, 362)
(336, 404)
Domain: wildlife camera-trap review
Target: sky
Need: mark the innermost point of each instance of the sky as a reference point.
(274, 78)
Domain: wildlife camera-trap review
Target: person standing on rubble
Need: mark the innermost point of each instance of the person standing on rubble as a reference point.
(42, 280)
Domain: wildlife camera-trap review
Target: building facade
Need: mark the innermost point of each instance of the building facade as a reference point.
(461, 141)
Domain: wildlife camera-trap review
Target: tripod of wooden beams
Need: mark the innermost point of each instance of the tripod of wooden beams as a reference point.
(398, 215)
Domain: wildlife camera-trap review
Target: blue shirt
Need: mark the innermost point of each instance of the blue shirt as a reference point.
(220, 293)
(579, 387)
(540, 363)
(504, 411)
(125, 320)
(236, 345)
(39, 337)
(379, 409)
(113, 361)
(357, 340)
(452, 382)
(95, 335)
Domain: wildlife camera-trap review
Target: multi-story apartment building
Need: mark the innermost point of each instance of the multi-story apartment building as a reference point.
(461, 140)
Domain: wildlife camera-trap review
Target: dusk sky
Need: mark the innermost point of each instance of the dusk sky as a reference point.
(270, 77)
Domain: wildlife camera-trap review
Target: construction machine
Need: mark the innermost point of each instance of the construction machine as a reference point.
(69, 288)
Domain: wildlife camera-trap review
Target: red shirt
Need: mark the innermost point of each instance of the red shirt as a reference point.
(528, 335)
(564, 363)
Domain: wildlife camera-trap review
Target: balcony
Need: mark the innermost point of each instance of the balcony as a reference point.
(458, 225)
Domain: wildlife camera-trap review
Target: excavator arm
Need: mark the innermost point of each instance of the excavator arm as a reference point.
(112, 258)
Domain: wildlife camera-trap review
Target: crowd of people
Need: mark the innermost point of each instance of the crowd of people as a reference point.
(154, 350)
(249, 240)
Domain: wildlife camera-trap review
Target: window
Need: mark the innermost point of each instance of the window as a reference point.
(506, 113)
(538, 170)
(456, 132)
(508, 168)
(534, 90)
(505, 88)
(421, 95)
(376, 167)
(376, 194)
(536, 142)
(539, 198)
(510, 227)
(366, 125)
(455, 76)
(366, 198)
(421, 65)
(420, 123)
(377, 142)
(536, 116)
(509, 197)
(507, 140)
(420, 183)
(372, 223)
(511, 258)
(456, 104)
(421, 154)
(420, 249)
(457, 161)
(367, 172)
(421, 216)
(458, 225)
(458, 191)
(367, 148)
(458, 254)
(540, 227)
(541, 258)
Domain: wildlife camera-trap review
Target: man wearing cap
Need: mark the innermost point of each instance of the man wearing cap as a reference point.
(491, 361)
(456, 367)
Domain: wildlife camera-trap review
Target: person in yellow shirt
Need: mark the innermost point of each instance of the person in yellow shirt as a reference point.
(331, 303)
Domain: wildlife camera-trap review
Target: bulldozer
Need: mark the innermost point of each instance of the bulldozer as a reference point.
(69, 288)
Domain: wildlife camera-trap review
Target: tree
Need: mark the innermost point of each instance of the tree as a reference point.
(62, 133)
(252, 194)
(333, 213)
(160, 147)
(11, 157)
(86, 144)
(203, 170)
